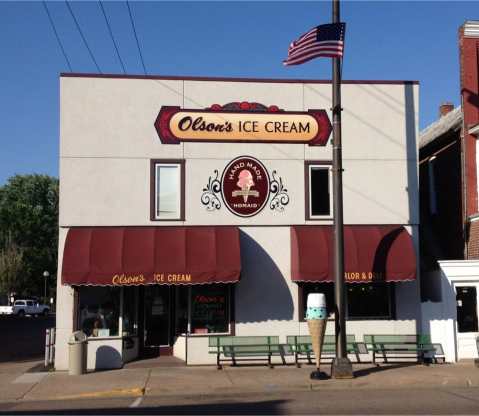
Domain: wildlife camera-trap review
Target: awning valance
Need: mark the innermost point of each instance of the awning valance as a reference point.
(371, 253)
(151, 255)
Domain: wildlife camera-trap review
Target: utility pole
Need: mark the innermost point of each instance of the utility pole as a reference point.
(341, 366)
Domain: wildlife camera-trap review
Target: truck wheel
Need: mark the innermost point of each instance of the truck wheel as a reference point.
(21, 313)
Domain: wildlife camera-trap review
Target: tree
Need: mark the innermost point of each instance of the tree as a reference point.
(29, 218)
(11, 264)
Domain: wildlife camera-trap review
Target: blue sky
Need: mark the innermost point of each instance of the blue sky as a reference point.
(384, 40)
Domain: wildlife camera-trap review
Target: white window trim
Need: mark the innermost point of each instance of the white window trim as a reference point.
(178, 207)
(310, 201)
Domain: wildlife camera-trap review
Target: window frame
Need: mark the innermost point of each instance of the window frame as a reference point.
(153, 182)
(308, 165)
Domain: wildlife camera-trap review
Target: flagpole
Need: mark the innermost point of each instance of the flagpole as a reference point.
(341, 366)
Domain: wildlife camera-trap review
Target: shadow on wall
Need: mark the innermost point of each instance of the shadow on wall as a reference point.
(107, 357)
(439, 319)
(413, 184)
(262, 293)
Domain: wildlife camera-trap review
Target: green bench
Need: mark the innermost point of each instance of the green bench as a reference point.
(398, 346)
(300, 345)
(234, 349)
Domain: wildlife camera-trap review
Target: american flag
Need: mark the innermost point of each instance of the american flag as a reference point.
(323, 40)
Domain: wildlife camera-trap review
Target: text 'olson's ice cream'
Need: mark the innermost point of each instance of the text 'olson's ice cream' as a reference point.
(316, 316)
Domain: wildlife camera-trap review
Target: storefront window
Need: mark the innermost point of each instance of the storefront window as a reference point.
(363, 300)
(99, 311)
(369, 300)
(210, 309)
(130, 311)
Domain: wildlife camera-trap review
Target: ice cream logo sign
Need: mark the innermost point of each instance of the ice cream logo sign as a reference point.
(242, 122)
(245, 187)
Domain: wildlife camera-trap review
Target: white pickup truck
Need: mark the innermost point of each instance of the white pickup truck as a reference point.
(24, 307)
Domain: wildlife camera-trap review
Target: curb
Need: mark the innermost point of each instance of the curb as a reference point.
(134, 392)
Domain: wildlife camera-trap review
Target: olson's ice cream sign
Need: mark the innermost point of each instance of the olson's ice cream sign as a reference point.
(242, 122)
(245, 187)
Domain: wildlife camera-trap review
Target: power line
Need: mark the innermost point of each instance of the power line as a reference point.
(83, 37)
(136, 37)
(111, 35)
(56, 35)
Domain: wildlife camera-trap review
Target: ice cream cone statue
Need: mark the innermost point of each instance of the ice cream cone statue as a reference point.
(316, 316)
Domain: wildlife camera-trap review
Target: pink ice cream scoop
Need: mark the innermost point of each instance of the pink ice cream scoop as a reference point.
(245, 181)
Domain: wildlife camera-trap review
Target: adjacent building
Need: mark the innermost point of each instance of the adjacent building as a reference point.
(450, 213)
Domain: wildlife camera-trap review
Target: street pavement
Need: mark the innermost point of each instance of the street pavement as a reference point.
(391, 389)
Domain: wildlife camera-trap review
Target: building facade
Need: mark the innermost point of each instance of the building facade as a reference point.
(199, 206)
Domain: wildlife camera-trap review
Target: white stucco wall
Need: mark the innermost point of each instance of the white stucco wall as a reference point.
(64, 311)
(107, 139)
(440, 318)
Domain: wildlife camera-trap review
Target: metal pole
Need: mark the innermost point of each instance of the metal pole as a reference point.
(52, 345)
(341, 366)
(47, 347)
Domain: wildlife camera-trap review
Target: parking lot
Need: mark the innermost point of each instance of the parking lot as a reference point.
(23, 338)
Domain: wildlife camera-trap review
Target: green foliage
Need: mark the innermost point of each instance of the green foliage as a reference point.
(29, 220)
(11, 265)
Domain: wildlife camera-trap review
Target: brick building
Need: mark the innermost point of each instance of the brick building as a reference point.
(448, 164)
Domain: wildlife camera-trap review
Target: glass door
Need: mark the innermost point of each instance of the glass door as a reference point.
(467, 325)
(157, 316)
(466, 298)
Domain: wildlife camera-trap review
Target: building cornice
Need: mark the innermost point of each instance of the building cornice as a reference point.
(232, 79)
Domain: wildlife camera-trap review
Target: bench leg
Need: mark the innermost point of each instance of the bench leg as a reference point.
(296, 360)
(218, 364)
(422, 359)
(269, 361)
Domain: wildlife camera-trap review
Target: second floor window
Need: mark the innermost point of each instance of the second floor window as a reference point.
(318, 192)
(168, 190)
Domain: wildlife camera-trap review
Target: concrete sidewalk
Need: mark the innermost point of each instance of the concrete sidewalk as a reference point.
(18, 384)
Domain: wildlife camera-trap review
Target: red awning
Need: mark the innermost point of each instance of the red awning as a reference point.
(151, 255)
(371, 253)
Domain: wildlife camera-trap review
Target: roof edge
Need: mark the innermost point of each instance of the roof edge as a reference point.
(231, 79)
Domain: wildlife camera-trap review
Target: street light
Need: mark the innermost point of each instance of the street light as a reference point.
(45, 275)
